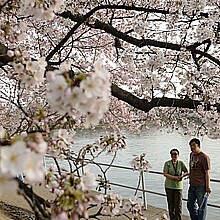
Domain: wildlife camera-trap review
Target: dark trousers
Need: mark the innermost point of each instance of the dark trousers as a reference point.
(174, 201)
(197, 203)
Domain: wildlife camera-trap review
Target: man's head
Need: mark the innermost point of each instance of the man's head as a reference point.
(195, 145)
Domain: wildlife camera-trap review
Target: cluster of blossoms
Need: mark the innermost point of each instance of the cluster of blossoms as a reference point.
(57, 183)
(186, 6)
(60, 143)
(112, 143)
(204, 32)
(128, 57)
(82, 94)
(211, 120)
(135, 207)
(115, 203)
(24, 156)
(194, 5)
(139, 163)
(140, 28)
(41, 9)
(155, 61)
(31, 73)
(11, 31)
(73, 195)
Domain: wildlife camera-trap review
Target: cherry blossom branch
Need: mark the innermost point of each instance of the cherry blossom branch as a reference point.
(138, 42)
(148, 42)
(146, 106)
(68, 14)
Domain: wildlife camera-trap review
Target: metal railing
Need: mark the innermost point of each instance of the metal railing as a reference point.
(142, 189)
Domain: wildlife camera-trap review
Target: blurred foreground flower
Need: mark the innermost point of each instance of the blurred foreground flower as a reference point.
(17, 158)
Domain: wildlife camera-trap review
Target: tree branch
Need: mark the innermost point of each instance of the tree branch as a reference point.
(146, 106)
(38, 202)
(139, 42)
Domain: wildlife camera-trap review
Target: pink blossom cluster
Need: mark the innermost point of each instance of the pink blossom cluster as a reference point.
(60, 143)
(112, 143)
(31, 73)
(89, 97)
(41, 9)
(139, 163)
(72, 194)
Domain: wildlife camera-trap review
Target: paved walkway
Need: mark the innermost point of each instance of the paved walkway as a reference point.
(10, 200)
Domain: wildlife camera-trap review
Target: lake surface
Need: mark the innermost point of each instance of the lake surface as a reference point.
(156, 145)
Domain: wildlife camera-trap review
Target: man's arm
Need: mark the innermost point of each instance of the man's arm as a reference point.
(207, 180)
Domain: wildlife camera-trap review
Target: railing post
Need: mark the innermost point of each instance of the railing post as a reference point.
(143, 190)
(44, 162)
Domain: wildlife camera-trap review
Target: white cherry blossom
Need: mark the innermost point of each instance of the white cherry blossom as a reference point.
(92, 87)
(32, 65)
(10, 53)
(19, 67)
(57, 89)
(34, 169)
(76, 97)
(12, 158)
(42, 63)
(87, 181)
(92, 119)
(64, 67)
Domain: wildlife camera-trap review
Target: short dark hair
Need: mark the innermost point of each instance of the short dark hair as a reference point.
(174, 149)
(196, 140)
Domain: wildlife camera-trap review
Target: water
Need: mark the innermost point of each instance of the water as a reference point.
(156, 145)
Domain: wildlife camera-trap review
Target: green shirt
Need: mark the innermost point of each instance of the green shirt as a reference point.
(172, 169)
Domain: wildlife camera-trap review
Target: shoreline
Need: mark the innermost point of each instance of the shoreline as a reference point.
(14, 206)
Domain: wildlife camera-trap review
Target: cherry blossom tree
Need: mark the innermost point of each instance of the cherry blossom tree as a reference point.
(74, 64)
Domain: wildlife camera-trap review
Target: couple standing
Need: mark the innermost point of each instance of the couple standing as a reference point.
(199, 179)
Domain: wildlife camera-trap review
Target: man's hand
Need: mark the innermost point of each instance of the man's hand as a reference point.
(208, 190)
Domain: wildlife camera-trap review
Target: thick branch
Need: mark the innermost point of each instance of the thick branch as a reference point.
(68, 14)
(142, 104)
(146, 106)
(148, 42)
(80, 19)
(38, 203)
(138, 42)
(66, 38)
